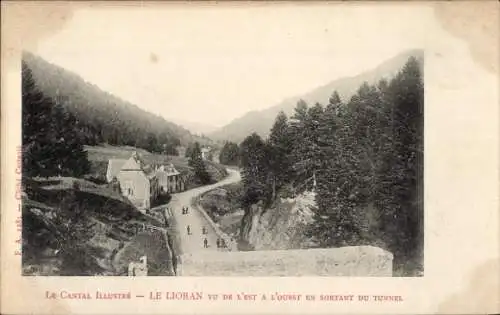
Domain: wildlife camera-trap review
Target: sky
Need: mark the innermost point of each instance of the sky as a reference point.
(212, 63)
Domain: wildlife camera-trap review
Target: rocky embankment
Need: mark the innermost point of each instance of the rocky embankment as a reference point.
(91, 230)
(280, 227)
(272, 242)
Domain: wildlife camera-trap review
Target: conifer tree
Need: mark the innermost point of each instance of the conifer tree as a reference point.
(306, 153)
(229, 154)
(52, 144)
(36, 111)
(280, 148)
(196, 162)
(255, 170)
(401, 176)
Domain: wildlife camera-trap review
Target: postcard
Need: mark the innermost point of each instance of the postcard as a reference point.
(250, 158)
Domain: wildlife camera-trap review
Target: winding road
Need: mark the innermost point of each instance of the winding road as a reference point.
(195, 219)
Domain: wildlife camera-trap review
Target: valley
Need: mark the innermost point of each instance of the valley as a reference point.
(307, 187)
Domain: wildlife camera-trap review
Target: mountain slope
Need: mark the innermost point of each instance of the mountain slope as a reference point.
(100, 109)
(261, 121)
(196, 128)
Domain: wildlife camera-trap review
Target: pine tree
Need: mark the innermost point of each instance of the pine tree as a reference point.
(401, 176)
(229, 154)
(328, 179)
(52, 141)
(300, 111)
(67, 151)
(334, 103)
(280, 148)
(306, 153)
(255, 170)
(36, 117)
(196, 162)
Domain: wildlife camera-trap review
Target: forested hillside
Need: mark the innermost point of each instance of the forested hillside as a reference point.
(364, 159)
(261, 121)
(102, 117)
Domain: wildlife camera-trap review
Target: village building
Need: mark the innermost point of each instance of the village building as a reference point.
(141, 183)
(205, 153)
(170, 180)
(138, 182)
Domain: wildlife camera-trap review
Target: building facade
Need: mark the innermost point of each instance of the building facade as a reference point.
(170, 180)
(138, 182)
(205, 153)
(142, 184)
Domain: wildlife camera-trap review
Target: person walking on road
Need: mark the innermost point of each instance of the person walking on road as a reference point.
(204, 230)
(205, 243)
(188, 228)
(218, 242)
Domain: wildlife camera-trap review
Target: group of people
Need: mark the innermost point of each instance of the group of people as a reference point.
(203, 230)
(221, 243)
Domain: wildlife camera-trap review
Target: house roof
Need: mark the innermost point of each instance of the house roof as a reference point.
(114, 166)
(134, 163)
(167, 170)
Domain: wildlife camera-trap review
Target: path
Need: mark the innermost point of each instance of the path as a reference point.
(196, 220)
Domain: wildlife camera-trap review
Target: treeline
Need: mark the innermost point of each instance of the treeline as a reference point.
(51, 140)
(364, 157)
(107, 123)
(102, 117)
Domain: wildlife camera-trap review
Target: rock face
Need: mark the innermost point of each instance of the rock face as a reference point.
(281, 227)
(353, 261)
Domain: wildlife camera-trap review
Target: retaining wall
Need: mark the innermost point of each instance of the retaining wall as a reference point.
(353, 261)
(231, 245)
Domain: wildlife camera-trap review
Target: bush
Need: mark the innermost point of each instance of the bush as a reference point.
(162, 199)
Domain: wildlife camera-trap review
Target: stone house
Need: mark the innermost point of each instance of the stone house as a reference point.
(170, 180)
(205, 153)
(138, 182)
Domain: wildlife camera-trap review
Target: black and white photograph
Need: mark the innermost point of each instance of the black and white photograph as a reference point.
(186, 147)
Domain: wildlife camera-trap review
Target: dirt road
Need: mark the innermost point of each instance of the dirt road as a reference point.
(194, 219)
